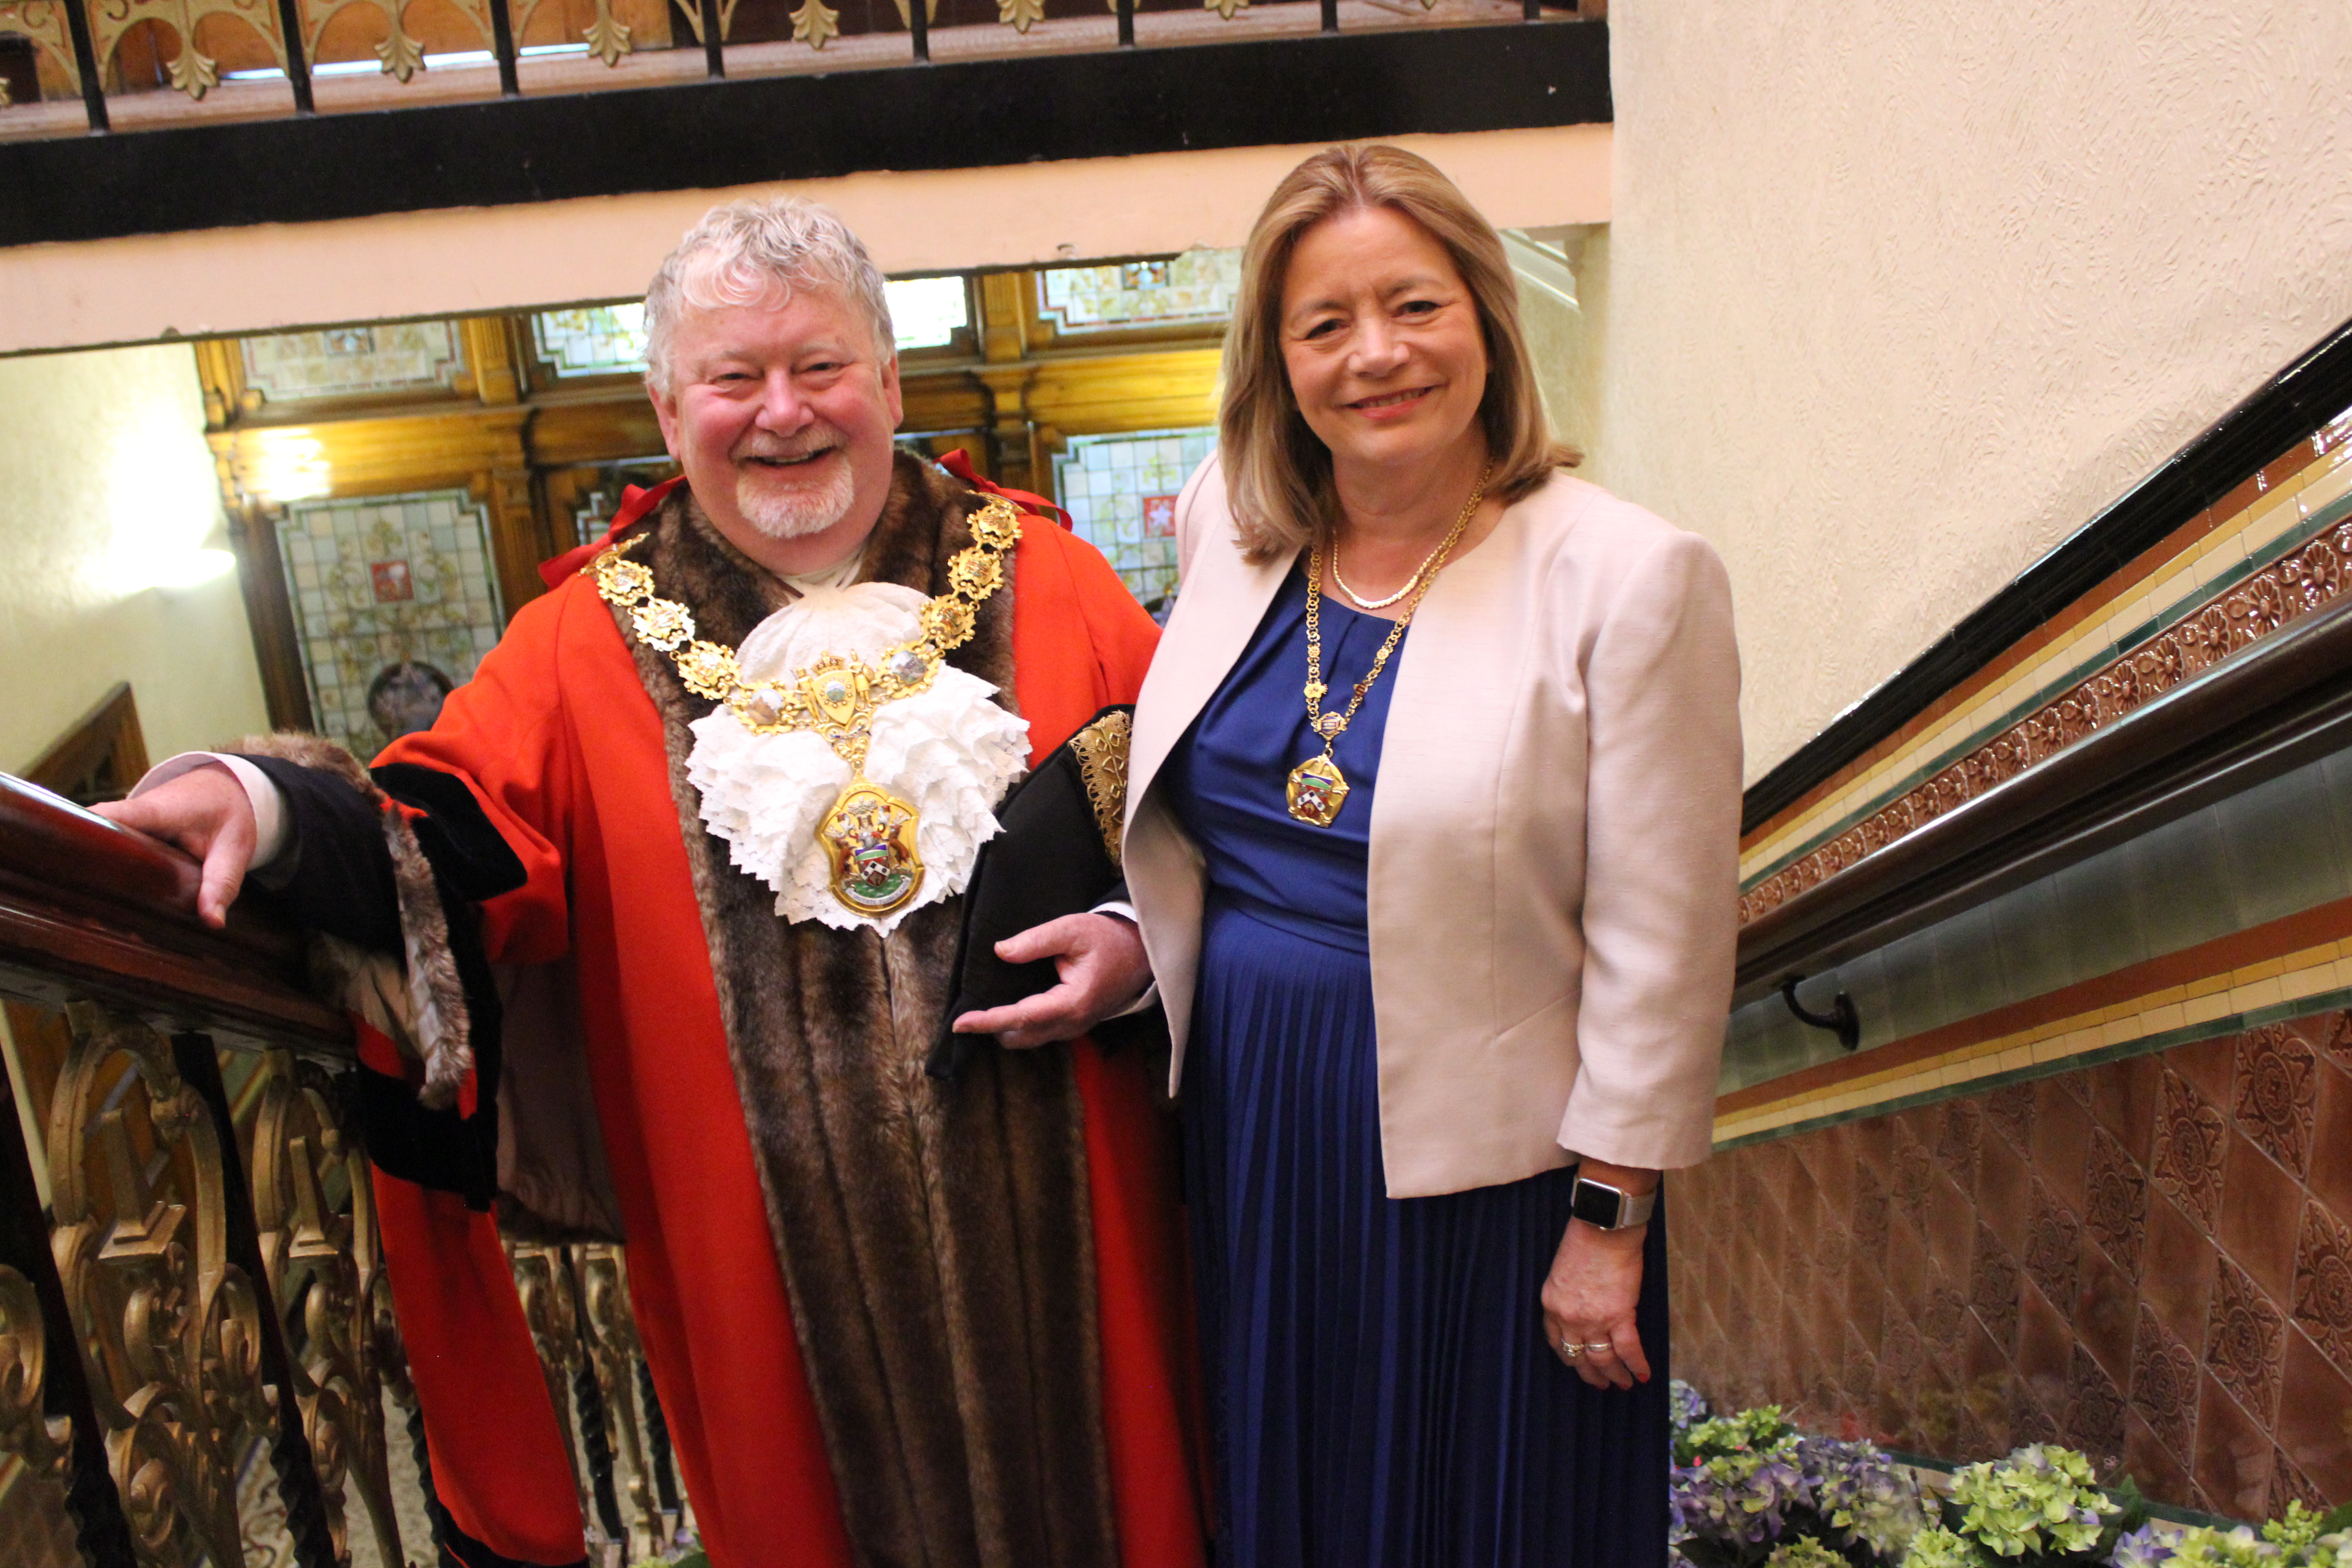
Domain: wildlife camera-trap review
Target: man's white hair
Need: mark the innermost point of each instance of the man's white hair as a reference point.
(754, 251)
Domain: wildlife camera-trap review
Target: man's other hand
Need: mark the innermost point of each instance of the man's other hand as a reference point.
(1103, 970)
(206, 812)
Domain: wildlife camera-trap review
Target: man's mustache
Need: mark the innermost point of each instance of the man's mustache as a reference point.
(777, 450)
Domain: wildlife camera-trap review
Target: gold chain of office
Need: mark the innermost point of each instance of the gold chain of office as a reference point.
(869, 835)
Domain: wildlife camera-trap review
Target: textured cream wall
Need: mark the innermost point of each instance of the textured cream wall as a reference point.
(110, 488)
(1897, 296)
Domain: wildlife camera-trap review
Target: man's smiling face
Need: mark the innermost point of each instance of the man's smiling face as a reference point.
(782, 415)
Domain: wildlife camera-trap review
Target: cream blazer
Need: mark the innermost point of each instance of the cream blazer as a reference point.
(1554, 860)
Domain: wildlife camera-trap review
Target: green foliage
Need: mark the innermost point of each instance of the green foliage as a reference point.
(2041, 1506)
(2298, 1527)
(1805, 1552)
(1759, 1431)
(1937, 1547)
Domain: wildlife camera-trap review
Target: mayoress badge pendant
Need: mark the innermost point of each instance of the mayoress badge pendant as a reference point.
(869, 838)
(1317, 790)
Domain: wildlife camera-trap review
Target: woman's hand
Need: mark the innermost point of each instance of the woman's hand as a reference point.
(1596, 1278)
(1102, 967)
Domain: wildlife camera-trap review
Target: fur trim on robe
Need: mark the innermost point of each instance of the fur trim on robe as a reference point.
(936, 1238)
(416, 1000)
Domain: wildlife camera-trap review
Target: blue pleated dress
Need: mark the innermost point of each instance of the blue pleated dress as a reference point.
(1380, 1390)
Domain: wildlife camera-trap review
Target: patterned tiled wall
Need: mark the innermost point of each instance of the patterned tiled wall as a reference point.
(1120, 492)
(346, 362)
(380, 580)
(2149, 1259)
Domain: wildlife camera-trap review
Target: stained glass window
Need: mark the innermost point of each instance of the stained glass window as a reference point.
(610, 340)
(346, 361)
(592, 339)
(1198, 286)
(379, 581)
(1120, 492)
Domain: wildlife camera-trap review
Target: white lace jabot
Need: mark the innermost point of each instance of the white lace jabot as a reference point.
(949, 750)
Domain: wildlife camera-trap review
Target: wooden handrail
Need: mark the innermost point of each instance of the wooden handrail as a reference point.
(2258, 713)
(88, 908)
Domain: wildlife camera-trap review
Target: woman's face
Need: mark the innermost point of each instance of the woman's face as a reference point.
(1382, 342)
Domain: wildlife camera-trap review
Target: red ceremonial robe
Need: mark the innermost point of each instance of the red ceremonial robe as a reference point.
(559, 741)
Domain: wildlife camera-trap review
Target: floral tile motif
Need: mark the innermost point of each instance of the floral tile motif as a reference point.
(2010, 1113)
(2278, 1094)
(2242, 1343)
(1992, 1289)
(1956, 1144)
(2053, 1246)
(2192, 1139)
(2094, 1412)
(2323, 1283)
(2116, 1213)
(2164, 1384)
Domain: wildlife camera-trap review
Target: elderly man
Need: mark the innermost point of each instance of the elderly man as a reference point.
(732, 775)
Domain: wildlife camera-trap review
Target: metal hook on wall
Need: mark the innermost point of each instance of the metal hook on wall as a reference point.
(1842, 1017)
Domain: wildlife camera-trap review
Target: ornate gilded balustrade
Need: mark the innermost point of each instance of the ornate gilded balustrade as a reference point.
(576, 1300)
(203, 1294)
(197, 1341)
(107, 51)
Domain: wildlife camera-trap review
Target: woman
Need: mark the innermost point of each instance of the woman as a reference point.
(1435, 917)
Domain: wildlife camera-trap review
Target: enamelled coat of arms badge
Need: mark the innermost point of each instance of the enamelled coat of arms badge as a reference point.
(869, 838)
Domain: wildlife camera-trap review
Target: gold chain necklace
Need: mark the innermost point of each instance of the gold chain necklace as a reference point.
(1362, 602)
(1316, 789)
(869, 835)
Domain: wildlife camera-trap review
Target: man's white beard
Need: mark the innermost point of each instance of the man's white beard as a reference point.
(797, 513)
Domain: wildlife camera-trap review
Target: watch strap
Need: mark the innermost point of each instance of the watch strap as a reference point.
(1605, 1207)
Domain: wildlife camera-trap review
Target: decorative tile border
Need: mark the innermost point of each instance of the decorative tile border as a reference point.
(2271, 514)
(2255, 609)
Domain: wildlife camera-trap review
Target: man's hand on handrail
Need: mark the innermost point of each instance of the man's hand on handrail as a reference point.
(206, 812)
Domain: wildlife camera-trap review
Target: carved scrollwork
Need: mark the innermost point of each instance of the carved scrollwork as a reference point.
(43, 1444)
(44, 22)
(542, 1278)
(170, 1323)
(192, 71)
(314, 1208)
(615, 1351)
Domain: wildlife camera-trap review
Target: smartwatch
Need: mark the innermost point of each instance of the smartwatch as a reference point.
(1605, 1207)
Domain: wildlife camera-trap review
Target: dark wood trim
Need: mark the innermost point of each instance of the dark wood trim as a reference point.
(2315, 388)
(90, 909)
(100, 756)
(2264, 710)
(709, 134)
(269, 616)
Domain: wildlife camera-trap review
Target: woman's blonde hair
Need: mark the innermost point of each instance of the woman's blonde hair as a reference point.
(1278, 473)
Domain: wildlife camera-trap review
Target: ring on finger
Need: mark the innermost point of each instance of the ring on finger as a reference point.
(1570, 1349)
(1597, 1347)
